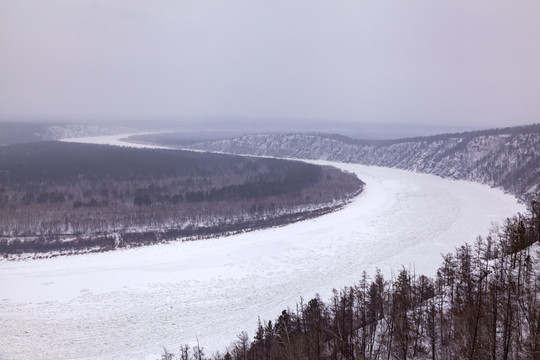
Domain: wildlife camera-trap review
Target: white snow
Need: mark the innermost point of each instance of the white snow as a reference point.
(117, 140)
(129, 304)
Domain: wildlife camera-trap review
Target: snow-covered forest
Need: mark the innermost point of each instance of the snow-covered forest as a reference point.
(508, 158)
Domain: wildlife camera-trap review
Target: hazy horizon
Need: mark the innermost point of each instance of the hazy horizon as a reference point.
(228, 127)
(462, 64)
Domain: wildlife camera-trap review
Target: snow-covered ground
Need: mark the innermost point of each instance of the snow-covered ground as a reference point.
(117, 140)
(129, 304)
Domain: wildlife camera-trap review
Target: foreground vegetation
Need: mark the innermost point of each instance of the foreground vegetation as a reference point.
(482, 304)
(68, 197)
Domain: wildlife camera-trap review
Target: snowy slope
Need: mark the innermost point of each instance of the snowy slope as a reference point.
(58, 132)
(116, 140)
(128, 304)
(507, 158)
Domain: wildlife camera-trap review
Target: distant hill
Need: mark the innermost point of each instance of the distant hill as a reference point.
(508, 158)
(14, 133)
(24, 132)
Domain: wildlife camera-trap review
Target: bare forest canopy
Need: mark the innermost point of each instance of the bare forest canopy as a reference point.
(71, 197)
(482, 304)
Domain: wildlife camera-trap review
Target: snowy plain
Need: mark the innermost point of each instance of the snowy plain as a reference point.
(129, 304)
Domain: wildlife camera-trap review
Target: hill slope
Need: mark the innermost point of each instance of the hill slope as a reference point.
(508, 158)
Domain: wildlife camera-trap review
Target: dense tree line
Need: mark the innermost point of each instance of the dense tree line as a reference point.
(71, 197)
(482, 304)
(69, 244)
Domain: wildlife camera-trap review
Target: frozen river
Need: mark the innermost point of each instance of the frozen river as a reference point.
(129, 304)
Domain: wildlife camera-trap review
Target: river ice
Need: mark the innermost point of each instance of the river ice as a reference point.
(128, 304)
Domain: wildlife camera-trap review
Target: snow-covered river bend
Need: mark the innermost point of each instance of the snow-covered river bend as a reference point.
(129, 304)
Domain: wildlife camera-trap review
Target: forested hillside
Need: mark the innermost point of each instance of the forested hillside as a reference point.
(79, 197)
(507, 158)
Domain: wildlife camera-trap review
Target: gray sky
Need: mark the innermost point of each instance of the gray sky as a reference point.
(465, 62)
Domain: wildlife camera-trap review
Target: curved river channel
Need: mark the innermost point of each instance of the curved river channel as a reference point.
(129, 304)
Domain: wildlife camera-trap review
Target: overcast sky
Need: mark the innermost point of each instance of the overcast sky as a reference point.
(463, 62)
